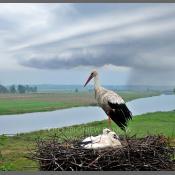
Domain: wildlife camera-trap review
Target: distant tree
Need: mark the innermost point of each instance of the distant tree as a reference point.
(3, 89)
(21, 89)
(33, 89)
(27, 88)
(12, 89)
(174, 90)
(76, 90)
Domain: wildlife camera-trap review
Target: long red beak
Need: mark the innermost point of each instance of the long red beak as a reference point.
(90, 77)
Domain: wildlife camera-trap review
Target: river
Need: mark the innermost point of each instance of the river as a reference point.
(21, 123)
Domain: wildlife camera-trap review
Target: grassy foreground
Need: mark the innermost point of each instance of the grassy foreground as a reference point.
(14, 149)
(17, 103)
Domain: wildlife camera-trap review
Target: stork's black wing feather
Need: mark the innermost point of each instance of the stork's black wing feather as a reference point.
(120, 114)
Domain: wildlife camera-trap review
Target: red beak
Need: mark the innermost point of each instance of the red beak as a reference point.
(90, 77)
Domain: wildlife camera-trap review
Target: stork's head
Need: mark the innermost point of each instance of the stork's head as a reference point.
(92, 75)
(113, 135)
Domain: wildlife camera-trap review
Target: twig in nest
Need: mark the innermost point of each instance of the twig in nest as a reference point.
(149, 153)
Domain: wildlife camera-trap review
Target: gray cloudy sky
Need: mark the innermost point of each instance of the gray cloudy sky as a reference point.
(61, 43)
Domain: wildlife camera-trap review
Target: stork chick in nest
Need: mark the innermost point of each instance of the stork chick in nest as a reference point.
(105, 140)
(113, 104)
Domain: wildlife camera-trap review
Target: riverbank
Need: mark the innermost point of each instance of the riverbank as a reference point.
(38, 102)
(15, 149)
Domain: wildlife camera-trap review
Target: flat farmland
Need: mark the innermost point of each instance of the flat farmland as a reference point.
(37, 102)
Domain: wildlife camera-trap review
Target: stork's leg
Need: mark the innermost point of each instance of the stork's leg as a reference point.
(109, 122)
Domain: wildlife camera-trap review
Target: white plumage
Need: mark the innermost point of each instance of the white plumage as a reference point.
(107, 139)
(113, 104)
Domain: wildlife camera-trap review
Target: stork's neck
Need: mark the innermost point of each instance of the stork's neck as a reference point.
(96, 82)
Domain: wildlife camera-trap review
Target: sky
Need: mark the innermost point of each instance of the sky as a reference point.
(129, 44)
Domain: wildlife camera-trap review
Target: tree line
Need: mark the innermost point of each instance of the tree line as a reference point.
(22, 89)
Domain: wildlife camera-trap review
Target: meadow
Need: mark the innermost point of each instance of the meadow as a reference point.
(15, 149)
(36, 102)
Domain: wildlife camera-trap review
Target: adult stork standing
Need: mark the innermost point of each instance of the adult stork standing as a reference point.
(113, 105)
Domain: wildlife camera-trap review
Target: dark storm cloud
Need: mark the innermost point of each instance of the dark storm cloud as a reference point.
(89, 56)
(138, 37)
(148, 53)
(150, 58)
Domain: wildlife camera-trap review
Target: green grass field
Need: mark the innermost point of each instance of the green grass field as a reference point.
(16, 103)
(14, 149)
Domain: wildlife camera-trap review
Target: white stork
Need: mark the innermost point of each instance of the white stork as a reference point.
(113, 105)
(107, 139)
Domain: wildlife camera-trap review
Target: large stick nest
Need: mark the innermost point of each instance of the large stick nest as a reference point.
(149, 153)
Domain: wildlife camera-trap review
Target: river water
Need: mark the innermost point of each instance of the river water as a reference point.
(21, 123)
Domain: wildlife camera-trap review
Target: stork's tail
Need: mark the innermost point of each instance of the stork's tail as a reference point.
(120, 114)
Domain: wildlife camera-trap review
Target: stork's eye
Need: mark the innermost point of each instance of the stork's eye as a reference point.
(115, 136)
